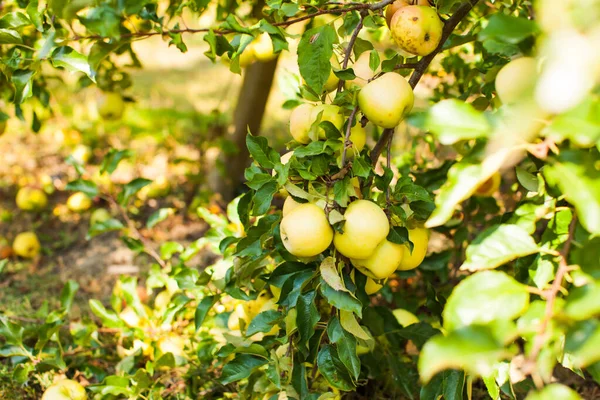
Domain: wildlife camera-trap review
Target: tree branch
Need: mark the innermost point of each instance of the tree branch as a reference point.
(563, 268)
(347, 142)
(421, 66)
(350, 47)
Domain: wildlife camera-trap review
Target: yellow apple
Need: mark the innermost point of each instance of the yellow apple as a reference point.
(371, 287)
(330, 113)
(300, 122)
(98, 216)
(82, 154)
(420, 239)
(26, 245)
(305, 231)
(358, 137)
(233, 323)
(110, 105)
(366, 225)
(263, 48)
(362, 71)
(405, 318)
(383, 262)
(398, 4)
(489, 187)
(386, 100)
(288, 205)
(417, 29)
(173, 344)
(66, 389)
(79, 202)
(332, 80)
(516, 80)
(31, 199)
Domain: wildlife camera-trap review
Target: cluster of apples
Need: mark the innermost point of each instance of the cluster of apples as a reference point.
(415, 26)
(305, 232)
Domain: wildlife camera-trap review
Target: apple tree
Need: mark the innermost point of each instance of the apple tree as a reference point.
(438, 237)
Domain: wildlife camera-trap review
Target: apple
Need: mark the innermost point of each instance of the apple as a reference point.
(263, 48)
(383, 262)
(82, 154)
(233, 323)
(173, 344)
(288, 205)
(66, 389)
(110, 105)
(420, 239)
(2, 127)
(358, 137)
(300, 122)
(371, 287)
(79, 202)
(332, 80)
(386, 100)
(305, 231)
(489, 187)
(417, 29)
(26, 245)
(330, 113)
(405, 318)
(31, 199)
(362, 71)
(398, 4)
(99, 216)
(516, 80)
(366, 225)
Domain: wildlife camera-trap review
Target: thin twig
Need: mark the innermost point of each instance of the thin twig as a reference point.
(551, 294)
(359, 26)
(347, 142)
(388, 158)
(357, 7)
(421, 66)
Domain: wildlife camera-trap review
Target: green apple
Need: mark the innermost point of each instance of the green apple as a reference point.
(111, 105)
(420, 239)
(383, 262)
(300, 122)
(417, 29)
(329, 113)
(366, 225)
(405, 318)
(516, 80)
(263, 48)
(332, 80)
(398, 4)
(305, 231)
(26, 245)
(31, 199)
(66, 389)
(99, 216)
(79, 202)
(386, 100)
(358, 137)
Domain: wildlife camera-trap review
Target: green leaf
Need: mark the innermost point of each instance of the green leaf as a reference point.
(342, 300)
(14, 20)
(89, 188)
(583, 302)
(10, 36)
(159, 216)
(99, 228)
(498, 245)
(307, 317)
(351, 325)
(68, 294)
(577, 177)
(314, 53)
(446, 384)
(69, 59)
(346, 347)
(259, 149)
(241, 367)
(453, 120)
(132, 188)
(332, 368)
(508, 29)
(330, 274)
(580, 125)
(22, 81)
(264, 197)
(112, 159)
(583, 343)
(485, 297)
(472, 349)
(109, 318)
(264, 322)
(418, 333)
(554, 391)
(168, 249)
(202, 310)
(13, 333)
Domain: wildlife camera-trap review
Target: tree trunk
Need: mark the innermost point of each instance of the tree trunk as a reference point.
(258, 78)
